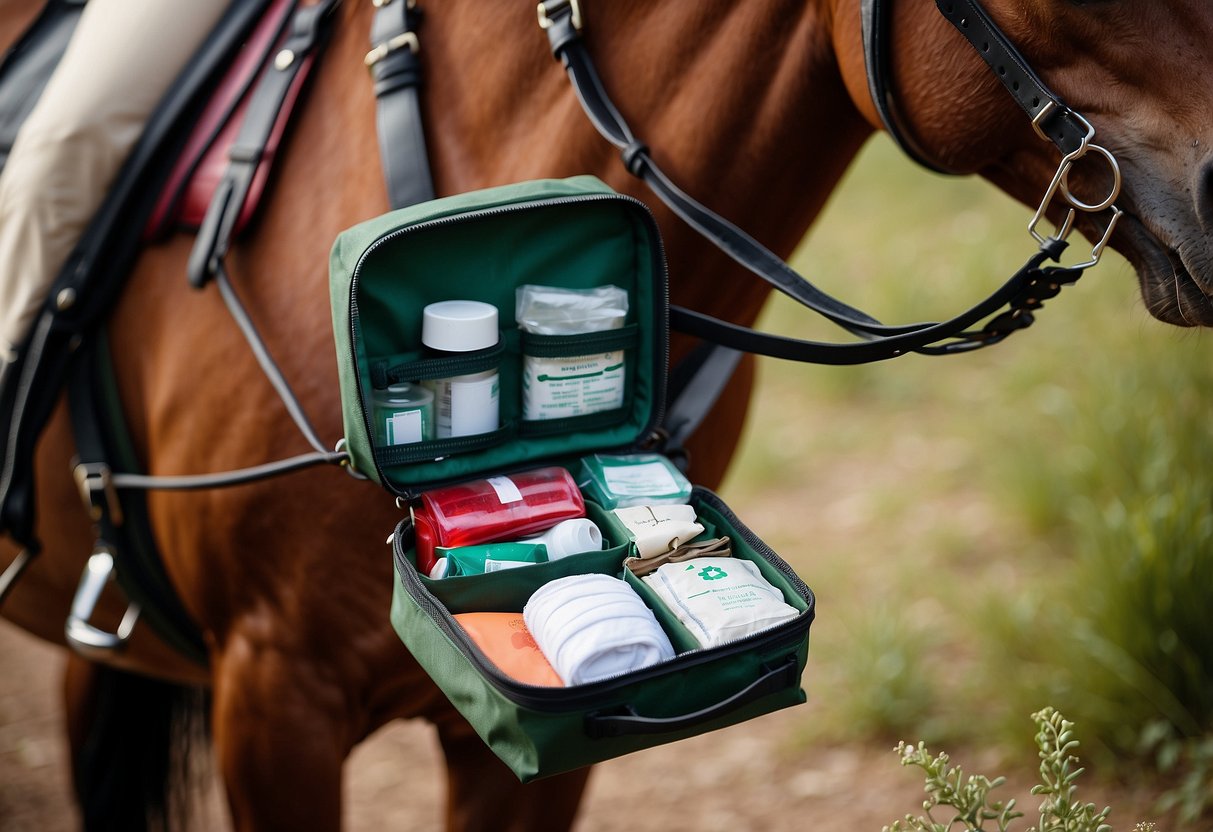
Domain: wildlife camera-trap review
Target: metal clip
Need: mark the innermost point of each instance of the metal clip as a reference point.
(1097, 250)
(547, 11)
(95, 482)
(83, 637)
(14, 570)
(347, 464)
(389, 46)
(1061, 182)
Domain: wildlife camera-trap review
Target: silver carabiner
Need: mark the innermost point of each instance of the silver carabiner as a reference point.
(1097, 250)
(1061, 181)
(1112, 193)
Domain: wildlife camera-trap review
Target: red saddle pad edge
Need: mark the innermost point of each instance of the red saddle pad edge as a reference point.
(187, 193)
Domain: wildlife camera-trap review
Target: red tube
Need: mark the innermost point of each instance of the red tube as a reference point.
(493, 509)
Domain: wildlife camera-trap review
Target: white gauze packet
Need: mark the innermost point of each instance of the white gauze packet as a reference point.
(556, 388)
(720, 599)
(659, 529)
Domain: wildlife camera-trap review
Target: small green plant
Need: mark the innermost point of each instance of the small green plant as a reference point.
(969, 797)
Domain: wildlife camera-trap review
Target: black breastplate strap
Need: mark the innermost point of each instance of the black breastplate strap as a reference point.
(1023, 292)
(876, 20)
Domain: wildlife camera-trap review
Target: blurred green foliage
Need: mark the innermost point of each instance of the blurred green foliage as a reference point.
(993, 532)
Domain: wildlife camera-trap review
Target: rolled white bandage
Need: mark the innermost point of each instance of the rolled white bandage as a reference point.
(592, 627)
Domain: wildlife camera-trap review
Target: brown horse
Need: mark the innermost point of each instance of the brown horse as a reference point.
(757, 108)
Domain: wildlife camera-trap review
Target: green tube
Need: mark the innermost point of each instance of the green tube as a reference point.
(487, 557)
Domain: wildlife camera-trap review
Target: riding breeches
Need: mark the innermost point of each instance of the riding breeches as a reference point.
(121, 60)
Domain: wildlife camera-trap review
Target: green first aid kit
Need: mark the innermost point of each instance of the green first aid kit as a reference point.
(487, 344)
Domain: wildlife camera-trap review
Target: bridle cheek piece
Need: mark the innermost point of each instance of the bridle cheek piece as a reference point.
(1052, 120)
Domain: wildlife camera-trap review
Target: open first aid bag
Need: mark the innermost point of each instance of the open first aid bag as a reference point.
(574, 235)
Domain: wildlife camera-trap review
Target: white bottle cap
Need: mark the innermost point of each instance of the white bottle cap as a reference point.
(459, 325)
(439, 569)
(572, 537)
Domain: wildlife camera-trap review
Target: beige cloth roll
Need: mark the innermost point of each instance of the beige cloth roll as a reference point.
(121, 60)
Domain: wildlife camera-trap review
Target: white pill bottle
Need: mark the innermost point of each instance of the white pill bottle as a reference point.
(464, 405)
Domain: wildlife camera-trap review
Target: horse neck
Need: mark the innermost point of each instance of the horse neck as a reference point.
(742, 104)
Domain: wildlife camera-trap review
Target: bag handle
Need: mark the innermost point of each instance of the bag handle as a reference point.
(629, 723)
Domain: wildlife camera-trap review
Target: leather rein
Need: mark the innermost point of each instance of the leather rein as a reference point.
(1025, 291)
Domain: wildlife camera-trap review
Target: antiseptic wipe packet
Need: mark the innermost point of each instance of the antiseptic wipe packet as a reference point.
(619, 481)
(720, 599)
(558, 387)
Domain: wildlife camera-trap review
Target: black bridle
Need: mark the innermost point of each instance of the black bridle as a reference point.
(1052, 120)
(1024, 292)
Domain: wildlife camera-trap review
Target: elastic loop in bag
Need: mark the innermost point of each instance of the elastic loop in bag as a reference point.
(585, 343)
(575, 424)
(476, 361)
(432, 449)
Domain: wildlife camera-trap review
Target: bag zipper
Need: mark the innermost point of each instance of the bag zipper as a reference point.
(660, 313)
(552, 699)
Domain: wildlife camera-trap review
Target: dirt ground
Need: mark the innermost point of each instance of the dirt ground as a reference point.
(748, 777)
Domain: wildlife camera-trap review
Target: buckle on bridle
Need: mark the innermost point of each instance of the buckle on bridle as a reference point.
(96, 484)
(389, 46)
(1061, 182)
(547, 12)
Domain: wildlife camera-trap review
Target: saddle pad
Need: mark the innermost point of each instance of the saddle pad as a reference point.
(187, 194)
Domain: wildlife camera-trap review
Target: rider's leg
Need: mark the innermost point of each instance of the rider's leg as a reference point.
(120, 62)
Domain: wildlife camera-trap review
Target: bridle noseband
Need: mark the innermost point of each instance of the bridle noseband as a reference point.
(1052, 119)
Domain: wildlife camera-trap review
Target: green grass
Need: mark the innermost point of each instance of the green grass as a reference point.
(990, 533)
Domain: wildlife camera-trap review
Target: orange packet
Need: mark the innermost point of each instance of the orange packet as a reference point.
(505, 640)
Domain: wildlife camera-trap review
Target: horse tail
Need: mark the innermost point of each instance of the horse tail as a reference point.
(135, 743)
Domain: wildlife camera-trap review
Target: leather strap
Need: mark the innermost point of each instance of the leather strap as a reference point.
(262, 354)
(882, 342)
(1021, 292)
(279, 81)
(199, 167)
(121, 521)
(1061, 125)
(396, 71)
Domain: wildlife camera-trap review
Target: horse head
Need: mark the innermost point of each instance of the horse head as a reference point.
(1138, 71)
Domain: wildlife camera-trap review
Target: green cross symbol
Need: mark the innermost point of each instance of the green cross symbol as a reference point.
(712, 573)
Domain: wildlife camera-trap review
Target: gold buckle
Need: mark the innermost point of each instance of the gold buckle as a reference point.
(386, 48)
(95, 483)
(545, 18)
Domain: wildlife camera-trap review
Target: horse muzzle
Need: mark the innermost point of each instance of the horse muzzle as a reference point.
(1176, 277)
